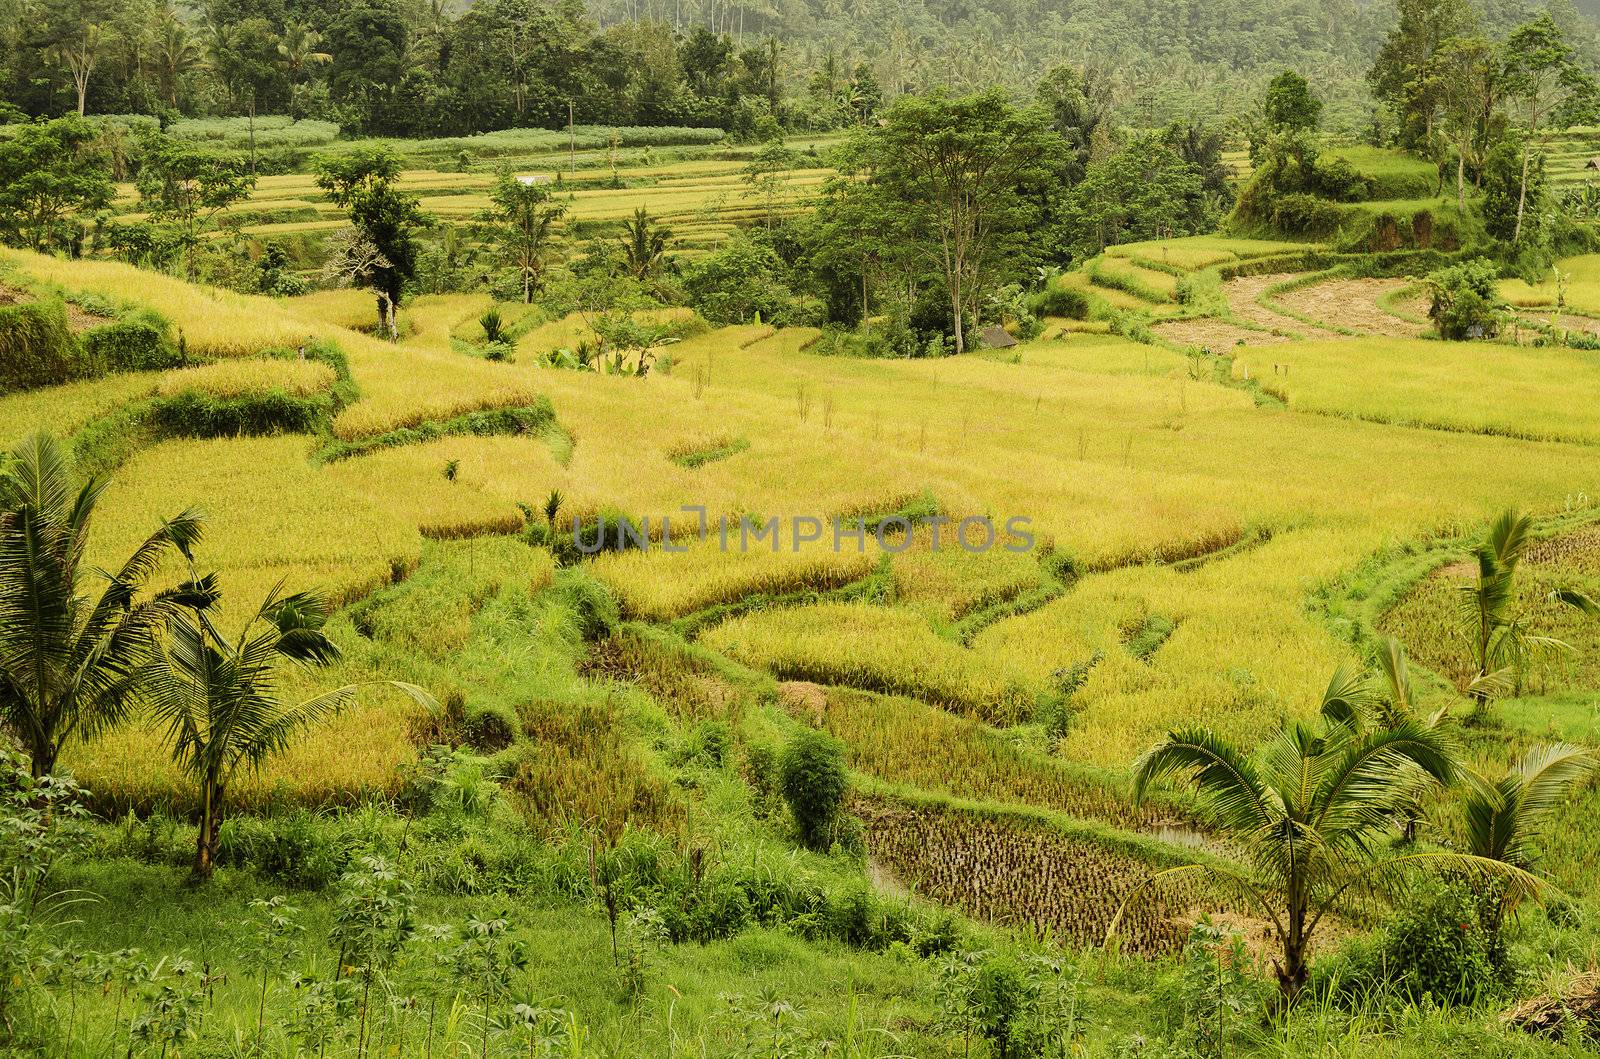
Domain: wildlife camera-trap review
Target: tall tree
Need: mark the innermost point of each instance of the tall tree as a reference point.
(1398, 75)
(368, 45)
(177, 55)
(1081, 104)
(644, 244)
(188, 185)
(1144, 191)
(766, 170)
(1497, 629)
(1547, 87)
(71, 663)
(362, 181)
(1466, 73)
(520, 222)
(969, 174)
(299, 50)
(79, 31)
(1505, 817)
(1290, 104)
(219, 698)
(50, 171)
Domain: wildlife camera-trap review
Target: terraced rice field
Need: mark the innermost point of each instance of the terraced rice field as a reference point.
(701, 201)
(1183, 531)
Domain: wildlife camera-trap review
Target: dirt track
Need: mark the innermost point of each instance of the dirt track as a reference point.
(1215, 335)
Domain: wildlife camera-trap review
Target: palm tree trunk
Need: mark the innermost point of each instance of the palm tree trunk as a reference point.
(205, 846)
(1522, 196)
(42, 759)
(1292, 970)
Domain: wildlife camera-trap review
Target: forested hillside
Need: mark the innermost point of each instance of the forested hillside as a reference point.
(449, 68)
(1169, 59)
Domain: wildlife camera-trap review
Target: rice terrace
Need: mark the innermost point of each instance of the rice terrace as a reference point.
(536, 529)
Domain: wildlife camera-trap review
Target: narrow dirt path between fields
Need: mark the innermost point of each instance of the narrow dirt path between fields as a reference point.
(1218, 336)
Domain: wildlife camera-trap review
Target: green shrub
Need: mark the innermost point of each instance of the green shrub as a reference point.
(490, 728)
(193, 414)
(893, 337)
(1303, 214)
(1505, 199)
(710, 744)
(594, 612)
(1060, 301)
(1436, 946)
(493, 324)
(1466, 303)
(1439, 946)
(1339, 181)
(36, 348)
(139, 341)
(763, 774)
(814, 784)
(301, 849)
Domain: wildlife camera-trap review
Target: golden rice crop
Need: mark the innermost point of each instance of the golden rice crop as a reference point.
(349, 307)
(266, 508)
(355, 754)
(660, 585)
(231, 378)
(430, 318)
(949, 582)
(1093, 351)
(1202, 251)
(1473, 386)
(1580, 286)
(67, 408)
(1111, 451)
(1430, 619)
(586, 773)
(211, 322)
(1163, 283)
(876, 648)
(403, 385)
(904, 742)
(455, 486)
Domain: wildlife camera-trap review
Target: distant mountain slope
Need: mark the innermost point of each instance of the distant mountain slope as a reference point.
(1170, 57)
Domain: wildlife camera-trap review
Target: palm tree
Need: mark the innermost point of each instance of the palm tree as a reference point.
(1309, 810)
(1499, 634)
(177, 55)
(644, 242)
(70, 662)
(219, 699)
(1504, 818)
(298, 48)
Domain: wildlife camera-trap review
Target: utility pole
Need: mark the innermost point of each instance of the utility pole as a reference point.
(572, 141)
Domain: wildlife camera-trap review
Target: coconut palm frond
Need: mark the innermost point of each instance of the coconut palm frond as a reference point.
(1228, 780)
